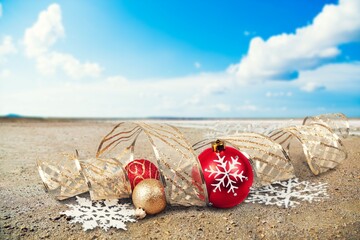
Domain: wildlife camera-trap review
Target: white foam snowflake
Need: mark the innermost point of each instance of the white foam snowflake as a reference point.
(104, 214)
(288, 193)
(226, 174)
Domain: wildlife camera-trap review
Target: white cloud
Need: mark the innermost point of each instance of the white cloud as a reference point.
(210, 84)
(118, 97)
(197, 65)
(217, 87)
(45, 32)
(247, 107)
(339, 77)
(48, 64)
(7, 47)
(248, 33)
(4, 73)
(42, 35)
(222, 107)
(1, 10)
(189, 96)
(312, 87)
(117, 80)
(278, 94)
(281, 57)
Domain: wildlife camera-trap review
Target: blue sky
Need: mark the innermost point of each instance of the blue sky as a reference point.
(179, 58)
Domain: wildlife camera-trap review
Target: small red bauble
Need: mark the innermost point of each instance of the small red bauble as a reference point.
(141, 169)
(228, 175)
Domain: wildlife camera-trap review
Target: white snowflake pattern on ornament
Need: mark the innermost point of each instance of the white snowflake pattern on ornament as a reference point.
(106, 214)
(226, 174)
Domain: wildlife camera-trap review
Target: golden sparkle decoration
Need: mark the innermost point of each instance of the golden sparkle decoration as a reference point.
(149, 195)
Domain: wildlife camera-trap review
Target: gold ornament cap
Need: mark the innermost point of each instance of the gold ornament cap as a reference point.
(149, 195)
(218, 146)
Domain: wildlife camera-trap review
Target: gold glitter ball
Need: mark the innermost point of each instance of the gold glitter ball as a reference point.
(149, 195)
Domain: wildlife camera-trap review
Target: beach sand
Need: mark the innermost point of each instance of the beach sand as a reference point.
(27, 212)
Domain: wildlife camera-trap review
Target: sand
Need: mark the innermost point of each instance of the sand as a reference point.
(27, 212)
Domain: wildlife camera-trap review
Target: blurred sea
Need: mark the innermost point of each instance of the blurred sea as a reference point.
(246, 125)
(258, 125)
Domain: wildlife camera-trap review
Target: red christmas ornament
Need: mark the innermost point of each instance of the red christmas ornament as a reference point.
(141, 169)
(228, 175)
